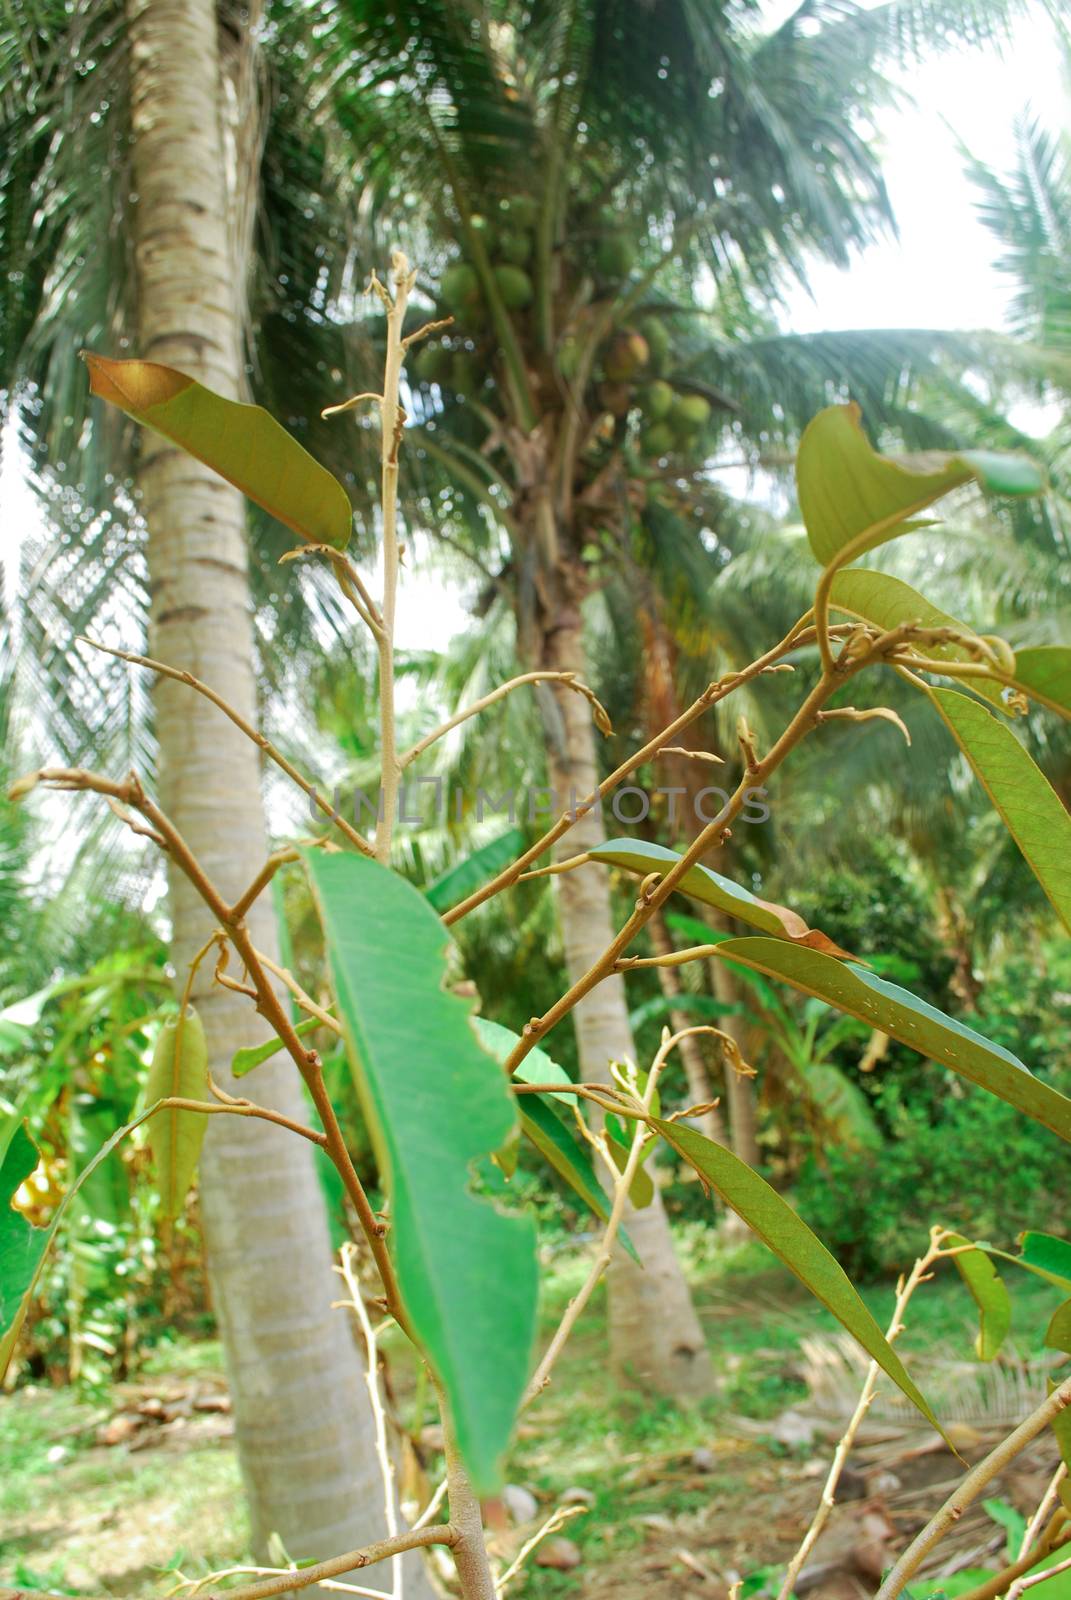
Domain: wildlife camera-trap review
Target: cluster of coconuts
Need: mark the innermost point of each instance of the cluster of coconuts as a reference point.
(508, 241)
(633, 366)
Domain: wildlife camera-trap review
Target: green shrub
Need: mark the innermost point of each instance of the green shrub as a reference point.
(978, 1167)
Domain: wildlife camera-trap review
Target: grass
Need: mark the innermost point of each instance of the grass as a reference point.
(75, 1515)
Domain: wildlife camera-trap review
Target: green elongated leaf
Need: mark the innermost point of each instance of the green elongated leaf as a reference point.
(537, 1066)
(1012, 1521)
(886, 602)
(986, 1287)
(244, 444)
(1058, 1333)
(789, 1237)
(462, 879)
(179, 1068)
(435, 1103)
(1033, 812)
(23, 1248)
(1047, 1255)
(619, 1142)
(694, 1005)
(545, 1126)
(695, 930)
(13, 1038)
(245, 1060)
(1045, 673)
(637, 855)
(904, 1016)
(851, 495)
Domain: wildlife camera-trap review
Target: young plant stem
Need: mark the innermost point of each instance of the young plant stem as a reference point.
(130, 793)
(972, 1486)
(622, 1184)
(237, 1108)
(352, 1561)
(469, 1548)
(711, 696)
(652, 898)
(391, 419)
(568, 679)
(348, 1270)
(1032, 1532)
(905, 1289)
(357, 840)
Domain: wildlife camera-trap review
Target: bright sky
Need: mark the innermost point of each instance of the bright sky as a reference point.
(939, 274)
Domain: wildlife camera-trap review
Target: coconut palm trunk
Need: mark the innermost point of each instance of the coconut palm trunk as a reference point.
(655, 1337)
(302, 1419)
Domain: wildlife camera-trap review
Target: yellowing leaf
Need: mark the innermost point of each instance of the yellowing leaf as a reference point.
(851, 495)
(244, 444)
(1033, 812)
(179, 1070)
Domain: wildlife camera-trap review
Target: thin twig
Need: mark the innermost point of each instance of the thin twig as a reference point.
(971, 1487)
(352, 1561)
(711, 696)
(557, 1520)
(347, 1268)
(305, 1001)
(622, 1183)
(568, 679)
(1032, 1532)
(905, 1289)
(259, 739)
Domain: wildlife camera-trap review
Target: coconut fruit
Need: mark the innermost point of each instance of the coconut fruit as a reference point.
(432, 364)
(690, 413)
(515, 287)
(656, 400)
(522, 211)
(657, 440)
(514, 247)
(465, 374)
(656, 333)
(626, 355)
(614, 256)
(460, 287)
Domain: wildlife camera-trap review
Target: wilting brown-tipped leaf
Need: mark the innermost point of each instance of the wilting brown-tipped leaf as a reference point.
(702, 883)
(244, 444)
(904, 1016)
(851, 495)
(179, 1070)
(986, 1288)
(1033, 812)
(789, 1237)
